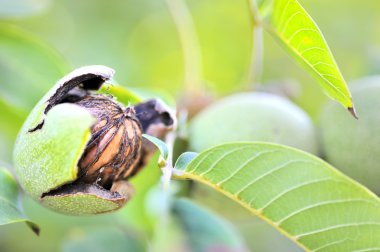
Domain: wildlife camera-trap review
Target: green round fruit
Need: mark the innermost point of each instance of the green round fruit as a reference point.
(353, 146)
(77, 149)
(51, 143)
(253, 117)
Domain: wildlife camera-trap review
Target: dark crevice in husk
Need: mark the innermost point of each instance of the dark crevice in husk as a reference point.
(86, 82)
(78, 187)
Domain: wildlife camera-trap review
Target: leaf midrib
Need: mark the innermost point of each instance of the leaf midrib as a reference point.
(237, 199)
(276, 33)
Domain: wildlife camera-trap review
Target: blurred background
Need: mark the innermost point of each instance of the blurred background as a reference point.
(41, 40)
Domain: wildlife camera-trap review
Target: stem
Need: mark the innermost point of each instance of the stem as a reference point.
(189, 42)
(166, 194)
(167, 169)
(255, 72)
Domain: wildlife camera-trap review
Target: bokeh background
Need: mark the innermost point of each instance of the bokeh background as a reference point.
(41, 40)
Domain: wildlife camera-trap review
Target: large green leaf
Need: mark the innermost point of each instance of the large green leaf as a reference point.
(306, 199)
(298, 33)
(9, 212)
(28, 67)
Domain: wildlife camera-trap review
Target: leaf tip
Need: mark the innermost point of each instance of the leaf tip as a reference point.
(35, 228)
(353, 112)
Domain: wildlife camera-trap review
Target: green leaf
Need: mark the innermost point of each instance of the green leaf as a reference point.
(102, 239)
(29, 67)
(287, 21)
(12, 119)
(159, 144)
(11, 122)
(300, 195)
(9, 212)
(204, 230)
(122, 94)
(184, 159)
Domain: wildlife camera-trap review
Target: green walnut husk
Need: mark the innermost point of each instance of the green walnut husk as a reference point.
(52, 142)
(260, 117)
(353, 146)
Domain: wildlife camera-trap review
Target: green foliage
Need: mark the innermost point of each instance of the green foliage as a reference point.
(12, 119)
(29, 67)
(123, 95)
(292, 26)
(11, 122)
(252, 117)
(161, 146)
(257, 234)
(136, 214)
(102, 239)
(204, 230)
(303, 197)
(9, 212)
(184, 159)
(354, 147)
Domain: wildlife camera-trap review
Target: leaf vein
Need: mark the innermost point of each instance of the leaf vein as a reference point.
(338, 90)
(288, 20)
(299, 236)
(276, 168)
(368, 249)
(242, 166)
(322, 63)
(291, 189)
(199, 162)
(330, 244)
(283, 12)
(221, 158)
(291, 37)
(311, 48)
(324, 203)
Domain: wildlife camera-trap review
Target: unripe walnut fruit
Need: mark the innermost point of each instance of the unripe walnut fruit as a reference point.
(353, 146)
(254, 116)
(77, 149)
